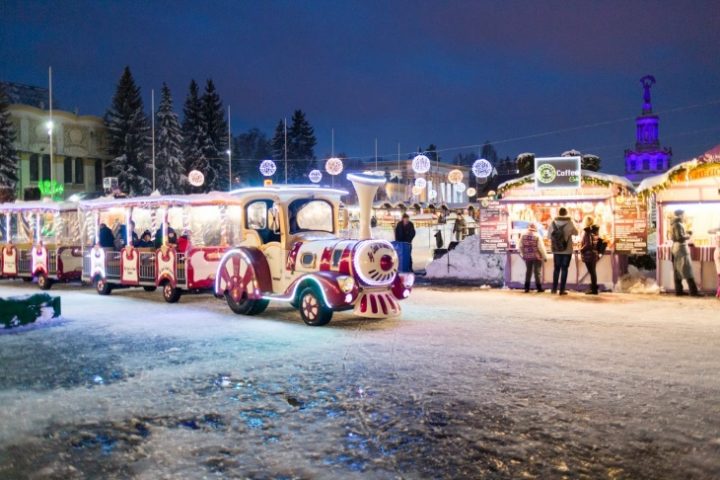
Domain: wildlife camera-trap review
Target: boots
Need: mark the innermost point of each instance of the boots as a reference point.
(693, 288)
(679, 288)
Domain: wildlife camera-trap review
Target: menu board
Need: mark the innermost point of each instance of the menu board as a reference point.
(631, 226)
(493, 227)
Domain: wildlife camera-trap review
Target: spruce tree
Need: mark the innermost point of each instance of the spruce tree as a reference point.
(301, 147)
(8, 156)
(128, 137)
(169, 162)
(214, 144)
(193, 133)
(248, 150)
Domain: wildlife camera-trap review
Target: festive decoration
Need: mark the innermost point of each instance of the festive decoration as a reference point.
(587, 178)
(268, 168)
(334, 166)
(417, 191)
(52, 189)
(421, 164)
(482, 168)
(432, 194)
(196, 178)
(420, 183)
(706, 165)
(455, 176)
(471, 192)
(315, 176)
(460, 187)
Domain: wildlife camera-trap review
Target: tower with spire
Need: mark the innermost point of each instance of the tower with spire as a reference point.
(648, 158)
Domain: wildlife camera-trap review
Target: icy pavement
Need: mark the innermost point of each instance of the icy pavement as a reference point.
(467, 384)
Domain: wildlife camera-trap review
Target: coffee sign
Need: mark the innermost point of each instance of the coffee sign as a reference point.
(557, 172)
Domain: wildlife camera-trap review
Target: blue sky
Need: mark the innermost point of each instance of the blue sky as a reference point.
(453, 73)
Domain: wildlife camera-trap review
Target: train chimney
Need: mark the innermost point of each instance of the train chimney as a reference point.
(366, 186)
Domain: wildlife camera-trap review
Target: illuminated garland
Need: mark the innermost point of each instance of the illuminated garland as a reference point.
(587, 180)
(679, 173)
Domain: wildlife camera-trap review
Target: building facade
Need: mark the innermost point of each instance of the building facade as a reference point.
(648, 158)
(79, 157)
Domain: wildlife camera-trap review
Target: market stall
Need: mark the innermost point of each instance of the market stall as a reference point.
(609, 199)
(694, 187)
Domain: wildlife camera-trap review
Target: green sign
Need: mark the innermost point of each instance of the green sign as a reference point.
(557, 172)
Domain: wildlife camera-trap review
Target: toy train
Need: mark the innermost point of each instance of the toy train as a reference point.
(249, 247)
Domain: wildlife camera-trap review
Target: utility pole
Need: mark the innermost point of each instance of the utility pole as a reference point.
(50, 125)
(285, 150)
(229, 152)
(152, 115)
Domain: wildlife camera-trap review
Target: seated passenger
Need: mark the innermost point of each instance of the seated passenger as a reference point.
(106, 239)
(184, 241)
(172, 237)
(145, 240)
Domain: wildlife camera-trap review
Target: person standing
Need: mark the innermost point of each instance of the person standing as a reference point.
(532, 250)
(106, 239)
(459, 226)
(561, 230)
(682, 264)
(405, 232)
(590, 254)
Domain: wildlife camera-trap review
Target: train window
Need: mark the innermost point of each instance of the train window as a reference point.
(257, 215)
(310, 215)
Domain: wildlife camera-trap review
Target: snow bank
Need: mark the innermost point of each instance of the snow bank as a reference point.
(637, 281)
(466, 263)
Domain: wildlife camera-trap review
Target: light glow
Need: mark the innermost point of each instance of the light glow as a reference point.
(482, 168)
(268, 168)
(334, 166)
(420, 182)
(315, 176)
(421, 164)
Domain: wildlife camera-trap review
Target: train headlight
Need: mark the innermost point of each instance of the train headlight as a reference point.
(346, 283)
(408, 280)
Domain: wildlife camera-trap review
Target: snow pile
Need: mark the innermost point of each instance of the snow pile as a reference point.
(637, 281)
(466, 263)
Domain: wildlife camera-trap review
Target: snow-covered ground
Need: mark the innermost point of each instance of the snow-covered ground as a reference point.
(468, 383)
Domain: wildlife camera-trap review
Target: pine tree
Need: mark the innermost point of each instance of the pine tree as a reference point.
(301, 147)
(8, 156)
(248, 149)
(193, 134)
(169, 161)
(215, 143)
(489, 153)
(128, 137)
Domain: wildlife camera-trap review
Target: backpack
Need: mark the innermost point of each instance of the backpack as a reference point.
(558, 240)
(601, 246)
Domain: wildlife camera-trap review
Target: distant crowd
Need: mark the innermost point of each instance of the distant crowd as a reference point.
(119, 239)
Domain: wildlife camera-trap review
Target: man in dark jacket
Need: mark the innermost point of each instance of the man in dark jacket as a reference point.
(106, 239)
(561, 231)
(405, 232)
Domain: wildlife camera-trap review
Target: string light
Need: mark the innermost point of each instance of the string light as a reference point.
(421, 164)
(315, 176)
(420, 183)
(455, 176)
(334, 166)
(268, 168)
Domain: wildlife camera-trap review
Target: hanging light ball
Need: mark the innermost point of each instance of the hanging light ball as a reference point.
(315, 176)
(482, 168)
(268, 168)
(421, 164)
(471, 192)
(334, 166)
(420, 182)
(460, 187)
(455, 176)
(417, 191)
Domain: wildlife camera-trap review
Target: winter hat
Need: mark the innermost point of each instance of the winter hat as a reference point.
(679, 212)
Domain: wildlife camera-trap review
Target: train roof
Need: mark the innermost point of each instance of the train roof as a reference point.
(211, 198)
(38, 205)
(287, 192)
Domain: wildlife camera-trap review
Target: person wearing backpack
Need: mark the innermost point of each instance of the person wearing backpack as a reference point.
(532, 250)
(561, 230)
(590, 254)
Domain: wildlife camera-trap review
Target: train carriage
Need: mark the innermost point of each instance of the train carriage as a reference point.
(291, 251)
(204, 226)
(40, 240)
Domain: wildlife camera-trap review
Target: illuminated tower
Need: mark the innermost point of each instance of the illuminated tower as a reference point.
(648, 158)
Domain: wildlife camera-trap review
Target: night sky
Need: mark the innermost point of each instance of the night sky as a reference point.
(445, 72)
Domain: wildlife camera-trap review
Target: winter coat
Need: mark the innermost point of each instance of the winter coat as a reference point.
(106, 239)
(588, 247)
(569, 229)
(679, 237)
(404, 233)
(532, 247)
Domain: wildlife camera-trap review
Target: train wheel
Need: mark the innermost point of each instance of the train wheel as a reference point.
(102, 287)
(238, 278)
(312, 309)
(171, 294)
(149, 288)
(44, 283)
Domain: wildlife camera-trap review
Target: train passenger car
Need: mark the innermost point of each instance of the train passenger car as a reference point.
(173, 242)
(40, 240)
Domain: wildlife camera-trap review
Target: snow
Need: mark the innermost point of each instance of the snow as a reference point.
(464, 263)
(637, 281)
(469, 383)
